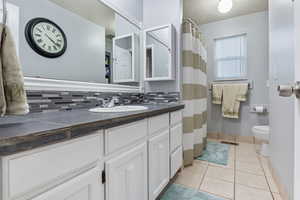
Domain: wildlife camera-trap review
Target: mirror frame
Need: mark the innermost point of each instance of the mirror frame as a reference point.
(44, 84)
(172, 58)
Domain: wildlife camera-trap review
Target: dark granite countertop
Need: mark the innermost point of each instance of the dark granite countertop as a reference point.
(21, 133)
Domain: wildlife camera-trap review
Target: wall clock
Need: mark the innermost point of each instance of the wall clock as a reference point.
(45, 37)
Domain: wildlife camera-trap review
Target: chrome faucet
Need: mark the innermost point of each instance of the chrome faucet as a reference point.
(112, 103)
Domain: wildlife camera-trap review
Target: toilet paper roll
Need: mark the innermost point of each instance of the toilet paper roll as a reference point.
(259, 109)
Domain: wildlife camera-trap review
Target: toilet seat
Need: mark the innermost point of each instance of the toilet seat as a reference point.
(261, 132)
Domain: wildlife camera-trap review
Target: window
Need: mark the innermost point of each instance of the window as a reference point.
(231, 58)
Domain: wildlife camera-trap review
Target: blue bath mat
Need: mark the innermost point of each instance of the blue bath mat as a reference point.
(216, 153)
(178, 192)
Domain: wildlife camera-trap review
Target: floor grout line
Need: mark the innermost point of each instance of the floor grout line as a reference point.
(216, 195)
(204, 174)
(261, 165)
(235, 169)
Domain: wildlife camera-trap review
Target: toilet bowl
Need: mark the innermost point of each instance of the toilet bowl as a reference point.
(261, 134)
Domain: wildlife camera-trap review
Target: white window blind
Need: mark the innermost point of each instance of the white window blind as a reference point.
(231, 58)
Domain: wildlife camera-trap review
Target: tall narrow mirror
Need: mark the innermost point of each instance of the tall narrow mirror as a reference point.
(159, 53)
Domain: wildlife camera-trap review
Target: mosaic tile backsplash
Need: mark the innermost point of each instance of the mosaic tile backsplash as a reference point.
(48, 101)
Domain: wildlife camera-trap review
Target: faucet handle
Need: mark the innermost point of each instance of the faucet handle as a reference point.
(116, 99)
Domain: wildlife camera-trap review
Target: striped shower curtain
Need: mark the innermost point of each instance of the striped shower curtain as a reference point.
(194, 93)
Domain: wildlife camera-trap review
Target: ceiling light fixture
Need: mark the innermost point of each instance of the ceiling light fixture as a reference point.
(225, 6)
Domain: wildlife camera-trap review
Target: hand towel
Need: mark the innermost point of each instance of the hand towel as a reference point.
(217, 92)
(231, 105)
(233, 95)
(13, 100)
(243, 90)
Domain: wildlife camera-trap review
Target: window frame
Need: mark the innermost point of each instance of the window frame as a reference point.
(245, 58)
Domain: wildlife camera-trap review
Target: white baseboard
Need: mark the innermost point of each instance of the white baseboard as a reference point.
(283, 193)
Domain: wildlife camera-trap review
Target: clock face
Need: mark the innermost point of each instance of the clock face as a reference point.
(46, 38)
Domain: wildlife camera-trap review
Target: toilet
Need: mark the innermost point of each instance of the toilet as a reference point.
(261, 134)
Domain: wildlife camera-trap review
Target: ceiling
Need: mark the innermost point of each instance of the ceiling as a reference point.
(91, 10)
(205, 11)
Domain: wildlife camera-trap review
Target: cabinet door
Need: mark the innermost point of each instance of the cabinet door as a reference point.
(126, 58)
(127, 175)
(176, 137)
(87, 186)
(159, 164)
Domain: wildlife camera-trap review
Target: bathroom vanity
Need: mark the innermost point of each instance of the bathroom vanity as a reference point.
(91, 156)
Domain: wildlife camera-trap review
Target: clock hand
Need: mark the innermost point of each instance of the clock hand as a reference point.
(51, 40)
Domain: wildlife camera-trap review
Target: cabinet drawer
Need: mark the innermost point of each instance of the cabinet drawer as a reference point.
(176, 117)
(118, 137)
(158, 123)
(176, 161)
(87, 186)
(35, 171)
(176, 137)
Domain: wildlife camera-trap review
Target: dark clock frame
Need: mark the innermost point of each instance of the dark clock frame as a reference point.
(29, 37)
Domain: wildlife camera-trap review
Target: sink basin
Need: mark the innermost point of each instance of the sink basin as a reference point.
(119, 109)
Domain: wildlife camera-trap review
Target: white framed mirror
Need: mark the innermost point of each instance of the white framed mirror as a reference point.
(159, 53)
(89, 27)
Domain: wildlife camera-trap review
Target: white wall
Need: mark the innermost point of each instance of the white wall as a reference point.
(123, 27)
(130, 8)
(157, 13)
(84, 58)
(256, 28)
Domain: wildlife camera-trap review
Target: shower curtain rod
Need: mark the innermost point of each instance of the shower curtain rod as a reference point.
(4, 12)
(191, 21)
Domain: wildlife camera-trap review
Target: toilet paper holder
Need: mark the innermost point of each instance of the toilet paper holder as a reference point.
(254, 109)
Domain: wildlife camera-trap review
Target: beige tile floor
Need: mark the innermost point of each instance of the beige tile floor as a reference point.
(246, 177)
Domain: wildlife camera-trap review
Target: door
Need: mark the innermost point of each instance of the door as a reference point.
(159, 164)
(284, 111)
(127, 175)
(87, 186)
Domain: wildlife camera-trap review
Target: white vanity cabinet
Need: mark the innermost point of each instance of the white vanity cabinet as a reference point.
(134, 161)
